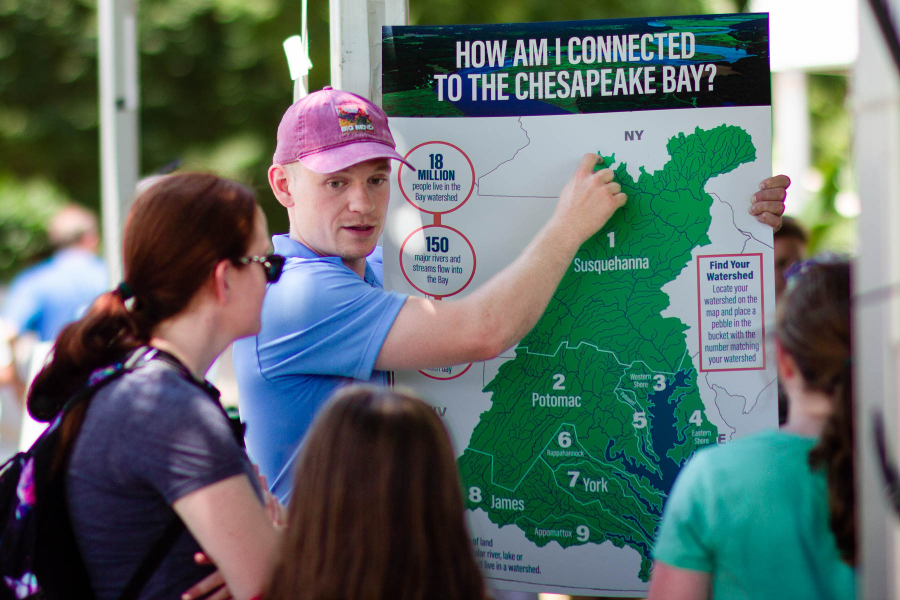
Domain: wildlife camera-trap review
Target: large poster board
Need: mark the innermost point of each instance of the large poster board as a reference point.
(658, 340)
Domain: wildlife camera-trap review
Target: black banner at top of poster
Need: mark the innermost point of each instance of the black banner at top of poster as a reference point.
(576, 66)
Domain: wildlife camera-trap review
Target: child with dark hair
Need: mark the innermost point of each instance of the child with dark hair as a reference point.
(772, 515)
(377, 509)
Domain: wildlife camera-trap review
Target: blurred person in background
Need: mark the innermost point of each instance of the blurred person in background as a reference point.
(772, 515)
(48, 296)
(790, 247)
(377, 512)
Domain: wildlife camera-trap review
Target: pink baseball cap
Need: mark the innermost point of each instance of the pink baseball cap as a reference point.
(330, 130)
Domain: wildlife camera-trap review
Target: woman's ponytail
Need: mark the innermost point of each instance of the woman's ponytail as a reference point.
(105, 334)
(834, 453)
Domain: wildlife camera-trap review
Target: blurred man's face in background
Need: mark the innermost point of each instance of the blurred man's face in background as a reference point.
(788, 250)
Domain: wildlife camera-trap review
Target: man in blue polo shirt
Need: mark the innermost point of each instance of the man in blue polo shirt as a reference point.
(48, 296)
(52, 294)
(329, 322)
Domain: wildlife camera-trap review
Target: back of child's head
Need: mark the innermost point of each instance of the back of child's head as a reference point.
(814, 321)
(377, 508)
(814, 329)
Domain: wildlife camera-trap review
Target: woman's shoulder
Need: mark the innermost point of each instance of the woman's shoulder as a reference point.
(153, 400)
(764, 452)
(746, 447)
(156, 385)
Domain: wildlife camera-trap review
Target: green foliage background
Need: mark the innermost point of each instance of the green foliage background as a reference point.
(214, 83)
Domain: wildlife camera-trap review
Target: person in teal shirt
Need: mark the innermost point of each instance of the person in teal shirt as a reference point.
(771, 515)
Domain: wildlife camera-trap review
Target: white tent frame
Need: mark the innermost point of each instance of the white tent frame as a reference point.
(355, 66)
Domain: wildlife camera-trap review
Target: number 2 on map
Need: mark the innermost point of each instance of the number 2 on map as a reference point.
(559, 381)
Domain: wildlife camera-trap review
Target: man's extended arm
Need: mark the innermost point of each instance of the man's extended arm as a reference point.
(427, 333)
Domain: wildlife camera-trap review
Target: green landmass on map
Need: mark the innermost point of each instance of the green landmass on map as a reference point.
(598, 464)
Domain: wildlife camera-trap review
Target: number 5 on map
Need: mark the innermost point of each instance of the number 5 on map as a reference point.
(640, 420)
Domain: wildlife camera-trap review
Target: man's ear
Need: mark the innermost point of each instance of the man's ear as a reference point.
(278, 181)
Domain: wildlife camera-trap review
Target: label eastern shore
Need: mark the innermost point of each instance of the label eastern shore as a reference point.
(616, 263)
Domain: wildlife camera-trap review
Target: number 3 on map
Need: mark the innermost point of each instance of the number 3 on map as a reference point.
(475, 494)
(660, 384)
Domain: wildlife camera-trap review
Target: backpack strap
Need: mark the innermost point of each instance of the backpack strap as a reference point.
(153, 559)
(58, 566)
(157, 553)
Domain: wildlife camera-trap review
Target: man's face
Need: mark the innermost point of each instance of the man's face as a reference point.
(342, 213)
(788, 250)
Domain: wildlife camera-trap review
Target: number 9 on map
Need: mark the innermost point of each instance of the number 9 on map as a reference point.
(583, 533)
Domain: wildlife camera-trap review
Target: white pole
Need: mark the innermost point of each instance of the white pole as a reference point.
(119, 104)
(876, 360)
(793, 143)
(356, 42)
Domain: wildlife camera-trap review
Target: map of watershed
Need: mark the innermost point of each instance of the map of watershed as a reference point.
(593, 418)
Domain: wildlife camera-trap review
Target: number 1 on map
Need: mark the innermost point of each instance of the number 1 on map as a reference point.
(612, 239)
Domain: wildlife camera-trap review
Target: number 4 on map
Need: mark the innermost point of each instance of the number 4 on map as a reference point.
(696, 418)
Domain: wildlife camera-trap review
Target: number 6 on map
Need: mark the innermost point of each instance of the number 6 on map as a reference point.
(564, 439)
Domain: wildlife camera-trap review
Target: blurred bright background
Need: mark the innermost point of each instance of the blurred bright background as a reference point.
(214, 83)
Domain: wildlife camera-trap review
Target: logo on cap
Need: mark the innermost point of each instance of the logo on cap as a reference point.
(354, 118)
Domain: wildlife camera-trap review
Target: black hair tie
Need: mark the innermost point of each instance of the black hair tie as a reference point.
(125, 291)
